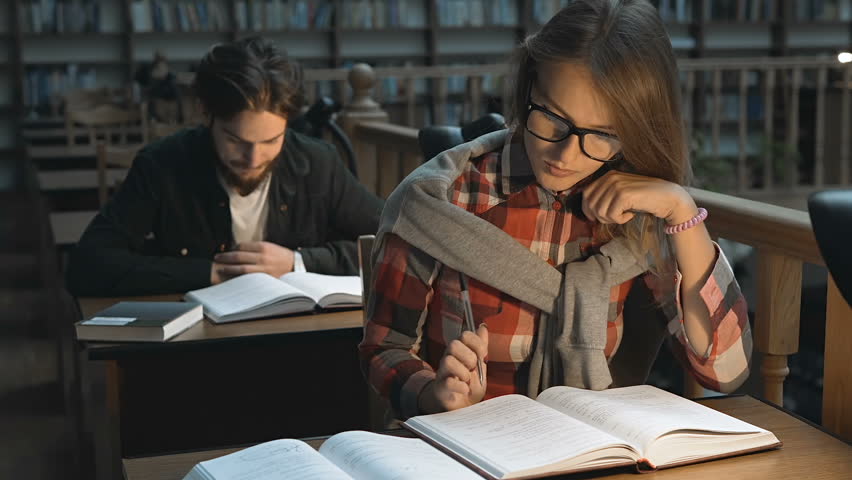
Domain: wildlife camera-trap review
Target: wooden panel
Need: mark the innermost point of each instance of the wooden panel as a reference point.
(388, 168)
(837, 378)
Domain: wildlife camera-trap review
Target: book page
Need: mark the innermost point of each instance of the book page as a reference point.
(242, 293)
(371, 456)
(640, 414)
(272, 461)
(326, 289)
(512, 433)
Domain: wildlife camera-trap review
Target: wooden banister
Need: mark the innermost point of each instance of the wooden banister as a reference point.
(761, 225)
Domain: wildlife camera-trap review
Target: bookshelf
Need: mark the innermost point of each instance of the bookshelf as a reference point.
(56, 45)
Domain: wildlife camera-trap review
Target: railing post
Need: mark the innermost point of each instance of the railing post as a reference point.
(837, 378)
(776, 335)
(362, 108)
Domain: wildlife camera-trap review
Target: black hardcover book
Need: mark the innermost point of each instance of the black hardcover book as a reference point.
(140, 321)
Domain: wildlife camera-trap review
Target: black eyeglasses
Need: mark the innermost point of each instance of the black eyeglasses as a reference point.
(550, 127)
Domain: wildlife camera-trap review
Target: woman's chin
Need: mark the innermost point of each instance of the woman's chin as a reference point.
(557, 184)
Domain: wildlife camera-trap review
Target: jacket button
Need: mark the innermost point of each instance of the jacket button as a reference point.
(283, 207)
(222, 247)
(222, 204)
(552, 262)
(184, 251)
(557, 205)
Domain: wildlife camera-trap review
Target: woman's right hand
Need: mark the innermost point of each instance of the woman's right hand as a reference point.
(457, 382)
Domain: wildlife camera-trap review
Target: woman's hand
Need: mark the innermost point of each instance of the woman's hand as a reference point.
(457, 382)
(617, 196)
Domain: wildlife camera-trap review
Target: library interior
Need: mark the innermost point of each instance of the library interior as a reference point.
(155, 317)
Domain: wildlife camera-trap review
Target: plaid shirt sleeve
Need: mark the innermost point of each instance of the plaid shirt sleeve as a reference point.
(724, 366)
(393, 330)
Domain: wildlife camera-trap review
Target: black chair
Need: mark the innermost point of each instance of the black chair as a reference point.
(319, 119)
(831, 217)
(435, 139)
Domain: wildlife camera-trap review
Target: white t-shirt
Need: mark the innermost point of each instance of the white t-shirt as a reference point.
(249, 213)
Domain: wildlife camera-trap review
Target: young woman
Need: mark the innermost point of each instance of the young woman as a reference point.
(554, 222)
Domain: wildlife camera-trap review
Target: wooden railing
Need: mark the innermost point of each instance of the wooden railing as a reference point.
(744, 116)
(782, 237)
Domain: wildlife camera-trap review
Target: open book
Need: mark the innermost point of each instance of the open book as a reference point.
(565, 430)
(257, 295)
(569, 430)
(352, 455)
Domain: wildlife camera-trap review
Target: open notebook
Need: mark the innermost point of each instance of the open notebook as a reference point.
(568, 430)
(565, 430)
(258, 295)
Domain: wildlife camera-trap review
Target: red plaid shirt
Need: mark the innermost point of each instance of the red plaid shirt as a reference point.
(414, 309)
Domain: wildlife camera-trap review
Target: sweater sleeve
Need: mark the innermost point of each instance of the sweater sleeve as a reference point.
(725, 364)
(396, 313)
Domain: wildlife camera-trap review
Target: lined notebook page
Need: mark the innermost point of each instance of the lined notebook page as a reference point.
(241, 293)
(512, 433)
(270, 461)
(371, 456)
(319, 286)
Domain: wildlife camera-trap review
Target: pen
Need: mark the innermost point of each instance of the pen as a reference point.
(468, 320)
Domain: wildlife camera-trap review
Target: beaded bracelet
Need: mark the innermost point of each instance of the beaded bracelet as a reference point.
(698, 218)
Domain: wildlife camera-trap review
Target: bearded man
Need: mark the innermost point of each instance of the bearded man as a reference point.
(241, 194)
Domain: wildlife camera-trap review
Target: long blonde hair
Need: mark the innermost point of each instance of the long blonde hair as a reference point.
(624, 45)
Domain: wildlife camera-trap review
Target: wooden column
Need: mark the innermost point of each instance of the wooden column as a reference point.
(362, 108)
(837, 377)
(776, 332)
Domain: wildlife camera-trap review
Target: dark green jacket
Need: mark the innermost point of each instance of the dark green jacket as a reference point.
(159, 232)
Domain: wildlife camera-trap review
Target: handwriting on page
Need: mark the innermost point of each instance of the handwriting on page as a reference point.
(639, 414)
(275, 460)
(368, 456)
(516, 433)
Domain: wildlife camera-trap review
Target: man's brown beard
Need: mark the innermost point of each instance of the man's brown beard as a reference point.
(245, 186)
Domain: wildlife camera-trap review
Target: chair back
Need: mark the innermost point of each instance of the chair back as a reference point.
(365, 266)
(438, 138)
(103, 122)
(831, 217)
(113, 162)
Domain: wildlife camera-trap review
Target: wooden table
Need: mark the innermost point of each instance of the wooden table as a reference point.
(808, 453)
(228, 384)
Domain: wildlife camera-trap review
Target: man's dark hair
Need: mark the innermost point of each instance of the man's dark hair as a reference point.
(248, 74)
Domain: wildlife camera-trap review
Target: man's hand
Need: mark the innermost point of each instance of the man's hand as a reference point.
(251, 257)
(457, 384)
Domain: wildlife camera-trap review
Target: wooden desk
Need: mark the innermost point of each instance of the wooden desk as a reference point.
(807, 453)
(236, 383)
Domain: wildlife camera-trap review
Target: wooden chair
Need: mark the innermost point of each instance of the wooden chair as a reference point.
(102, 122)
(109, 158)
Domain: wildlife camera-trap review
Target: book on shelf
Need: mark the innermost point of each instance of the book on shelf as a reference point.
(258, 295)
(140, 321)
(510, 437)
